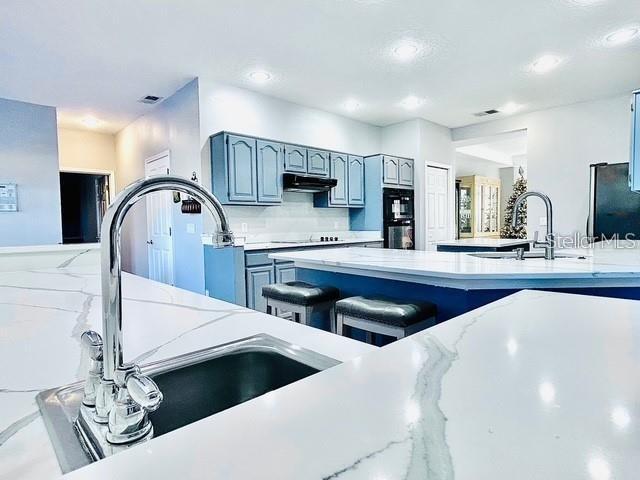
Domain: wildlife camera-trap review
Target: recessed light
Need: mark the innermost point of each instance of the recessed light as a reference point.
(260, 76)
(351, 105)
(411, 102)
(91, 122)
(510, 108)
(622, 36)
(406, 51)
(545, 64)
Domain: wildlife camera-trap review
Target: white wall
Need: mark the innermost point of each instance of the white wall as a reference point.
(561, 144)
(86, 150)
(469, 165)
(423, 141)
(29, 158)
(242, 111)
(171, 125)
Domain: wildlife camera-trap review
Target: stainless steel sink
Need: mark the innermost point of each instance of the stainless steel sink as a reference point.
(195, 386)
(512, 255)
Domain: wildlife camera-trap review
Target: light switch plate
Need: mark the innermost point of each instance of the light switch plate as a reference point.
(191, 228)
(543, 221)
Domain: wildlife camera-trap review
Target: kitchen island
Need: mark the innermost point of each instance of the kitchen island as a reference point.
(459, 282)
(43, 312)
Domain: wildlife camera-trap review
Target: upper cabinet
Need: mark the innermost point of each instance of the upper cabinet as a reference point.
(318, 163)
(241, 164)
(246, 171)
(295, 159)
(390, 170)
(348, 170)
(634, 165)
(356, 181)
(270, 162)
(405, 172)
(338, 195)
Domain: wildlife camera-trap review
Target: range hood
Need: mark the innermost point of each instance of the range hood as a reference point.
(292, 182)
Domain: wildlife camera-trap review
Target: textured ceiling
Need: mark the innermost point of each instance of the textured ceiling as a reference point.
(101, 56)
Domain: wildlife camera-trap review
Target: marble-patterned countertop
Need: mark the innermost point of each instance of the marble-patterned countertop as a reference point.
(483, 242)
(597, 267)
(537, 385)
(278, 245)
(43, 312)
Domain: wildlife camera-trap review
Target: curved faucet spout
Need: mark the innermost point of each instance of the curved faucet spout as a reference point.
(549, 243)
(111, 254)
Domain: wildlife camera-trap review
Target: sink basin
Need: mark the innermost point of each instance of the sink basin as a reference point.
(512, 255)
(194, 386)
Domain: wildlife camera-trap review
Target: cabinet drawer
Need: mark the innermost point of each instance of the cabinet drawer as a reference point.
(259, 258)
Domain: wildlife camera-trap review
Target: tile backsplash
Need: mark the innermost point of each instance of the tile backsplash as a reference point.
(295, 216)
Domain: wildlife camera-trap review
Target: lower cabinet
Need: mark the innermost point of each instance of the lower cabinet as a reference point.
(261, 275)
(258, 277)
(285, 272)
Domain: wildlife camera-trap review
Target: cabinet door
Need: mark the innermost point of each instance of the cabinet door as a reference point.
(295, 159)
(285, 272)
(356, 181)
(241, 162)
(405, 176)
(390, 170)
(258, 277)
(269, 172)
(338, 194)
(318, 163)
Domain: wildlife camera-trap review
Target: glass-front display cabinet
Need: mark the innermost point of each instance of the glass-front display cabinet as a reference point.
(479, 206)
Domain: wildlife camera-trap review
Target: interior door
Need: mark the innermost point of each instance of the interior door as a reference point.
(159, 224)
(437, 205)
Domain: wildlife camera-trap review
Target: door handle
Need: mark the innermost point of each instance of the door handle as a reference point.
(149, 242)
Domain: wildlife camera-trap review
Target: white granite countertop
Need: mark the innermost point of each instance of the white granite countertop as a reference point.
(483, 242)
(44, 311)
(537, 385)
(598, 267)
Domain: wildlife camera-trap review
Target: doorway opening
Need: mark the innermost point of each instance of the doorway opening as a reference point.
(487, 169)
(84, 201)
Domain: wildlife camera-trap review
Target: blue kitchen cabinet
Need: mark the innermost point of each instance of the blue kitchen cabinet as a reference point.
(269, 168)
(295, 159)
(405, 172)
(390, 170)
(634, 161)
(285, 272)
(258, 277)
(356, 181)
(241, 160)
(348, 170)
(246, 170)
(318, 163)
(338, 195)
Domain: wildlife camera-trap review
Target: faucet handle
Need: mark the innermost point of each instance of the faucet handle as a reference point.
(140, 388)
(92, 342)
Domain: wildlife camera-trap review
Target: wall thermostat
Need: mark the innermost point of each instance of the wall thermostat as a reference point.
(8, 197)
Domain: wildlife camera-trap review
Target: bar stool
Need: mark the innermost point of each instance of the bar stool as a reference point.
(301, 299)
(384, 316)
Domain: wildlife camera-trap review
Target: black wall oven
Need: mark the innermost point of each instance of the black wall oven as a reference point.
(398, 220)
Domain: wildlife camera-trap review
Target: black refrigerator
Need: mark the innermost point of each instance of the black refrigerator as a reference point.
(613, 208)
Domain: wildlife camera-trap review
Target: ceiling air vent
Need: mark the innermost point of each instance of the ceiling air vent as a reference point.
(493, 111)
(150, 99)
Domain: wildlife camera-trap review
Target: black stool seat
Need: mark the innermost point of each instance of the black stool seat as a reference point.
(300, 293)
(386, 310)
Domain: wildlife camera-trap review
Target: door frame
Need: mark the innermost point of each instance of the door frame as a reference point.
(95, 171)
(148, 161)
(451, 201)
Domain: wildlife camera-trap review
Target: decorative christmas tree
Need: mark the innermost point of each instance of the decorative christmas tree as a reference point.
(520, 231)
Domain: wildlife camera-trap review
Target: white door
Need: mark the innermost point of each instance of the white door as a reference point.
(159, 223)
(437, 180)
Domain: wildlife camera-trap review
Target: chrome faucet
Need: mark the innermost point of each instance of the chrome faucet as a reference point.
(123, 396)
(550, 242)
